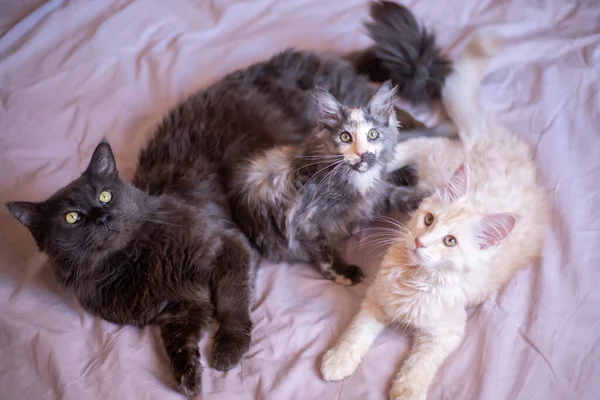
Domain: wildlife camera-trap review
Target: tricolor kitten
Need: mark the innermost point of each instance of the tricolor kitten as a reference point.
(301, 203)
(485, 223)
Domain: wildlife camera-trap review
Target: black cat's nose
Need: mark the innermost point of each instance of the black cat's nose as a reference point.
(98, 215)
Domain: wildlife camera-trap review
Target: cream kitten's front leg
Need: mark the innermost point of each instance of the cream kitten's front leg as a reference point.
(428, 352)
(342, 360)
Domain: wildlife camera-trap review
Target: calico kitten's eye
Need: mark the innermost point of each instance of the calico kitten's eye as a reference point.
(105, 196)
(373, 134)
(428, 219)
(72, 217)
(450, 241)
(345, 137)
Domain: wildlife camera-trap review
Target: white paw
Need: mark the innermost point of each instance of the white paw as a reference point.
(338, 363)
(404, 390)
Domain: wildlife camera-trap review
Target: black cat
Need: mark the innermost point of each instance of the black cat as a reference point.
(174, 259)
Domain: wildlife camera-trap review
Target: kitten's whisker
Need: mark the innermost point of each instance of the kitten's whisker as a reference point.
(304, 166)
(329, 174)
(317, 173)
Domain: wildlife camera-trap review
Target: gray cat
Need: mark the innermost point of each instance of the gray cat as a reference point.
(257, 126)
(301, 202)
(173, 258)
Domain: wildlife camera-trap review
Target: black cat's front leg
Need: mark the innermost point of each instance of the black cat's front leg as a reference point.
(403, 198)
(336, 269)
(181, 325)
(231, 282)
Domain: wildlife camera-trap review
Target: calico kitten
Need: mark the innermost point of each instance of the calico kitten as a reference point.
(483, 224)
(300, 203)
(173, 259)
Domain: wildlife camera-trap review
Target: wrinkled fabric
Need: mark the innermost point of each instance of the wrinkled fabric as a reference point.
(74, 72)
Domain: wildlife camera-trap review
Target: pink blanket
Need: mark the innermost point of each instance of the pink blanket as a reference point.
(72, 72)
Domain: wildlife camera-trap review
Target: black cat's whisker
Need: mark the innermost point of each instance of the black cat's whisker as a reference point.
(159, 222)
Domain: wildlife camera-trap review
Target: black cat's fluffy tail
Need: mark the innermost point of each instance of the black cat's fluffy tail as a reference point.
(404, 52)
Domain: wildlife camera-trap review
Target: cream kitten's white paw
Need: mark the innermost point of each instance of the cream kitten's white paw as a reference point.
(406, 391)
(338, 363)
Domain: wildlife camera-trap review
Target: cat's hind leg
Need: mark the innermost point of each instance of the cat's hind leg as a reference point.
(342, 360)
(428, 352)
(181, 325)
(231, 287)
(336, 269)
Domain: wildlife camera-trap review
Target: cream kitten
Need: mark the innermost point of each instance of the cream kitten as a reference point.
(484, 223)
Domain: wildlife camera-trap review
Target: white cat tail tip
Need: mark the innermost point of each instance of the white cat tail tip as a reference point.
(485, 46)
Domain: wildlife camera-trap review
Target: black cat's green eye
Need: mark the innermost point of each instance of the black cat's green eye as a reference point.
(72, 217)
(373, 134)
(105, 196)
(345, 137)
(428, 219)
(450, 241)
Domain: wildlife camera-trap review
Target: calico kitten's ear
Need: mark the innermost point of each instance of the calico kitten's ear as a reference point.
(382, 103)
(26, 212)
(495, 228)
(103, 162)
(457, 186)
(330, 110)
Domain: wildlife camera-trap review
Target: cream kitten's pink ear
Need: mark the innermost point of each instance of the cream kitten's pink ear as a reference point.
(495, 228)
(457, 186)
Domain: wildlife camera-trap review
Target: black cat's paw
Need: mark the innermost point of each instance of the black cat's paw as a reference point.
(228, 349)
(351, 276)
(188, 373)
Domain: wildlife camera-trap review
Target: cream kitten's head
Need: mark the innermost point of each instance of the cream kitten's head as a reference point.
(446, 233)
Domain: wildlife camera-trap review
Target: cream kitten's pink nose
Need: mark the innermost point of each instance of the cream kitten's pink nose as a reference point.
(418, 243)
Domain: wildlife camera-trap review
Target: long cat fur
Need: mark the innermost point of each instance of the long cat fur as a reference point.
(492, 207)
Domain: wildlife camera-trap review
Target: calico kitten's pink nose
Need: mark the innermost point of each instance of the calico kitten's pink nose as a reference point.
(418, 243)
(359, 153)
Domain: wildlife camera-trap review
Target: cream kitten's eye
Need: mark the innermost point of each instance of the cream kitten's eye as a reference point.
(428, 219)
(373, 134)
(345, 137)
(72, 217)
(450, 241)
(105, 196)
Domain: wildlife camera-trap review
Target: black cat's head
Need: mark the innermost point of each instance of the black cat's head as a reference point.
(363, 137)
(95, 214)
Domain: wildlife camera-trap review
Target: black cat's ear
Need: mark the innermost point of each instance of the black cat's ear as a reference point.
(330, 110)
(103, 162)
(381, 104)
(26, 212)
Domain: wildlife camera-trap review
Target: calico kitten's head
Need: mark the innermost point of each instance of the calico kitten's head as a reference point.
(363, 136)
(446, 233)
(93, 215)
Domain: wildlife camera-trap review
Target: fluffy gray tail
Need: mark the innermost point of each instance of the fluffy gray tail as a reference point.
(404, 52)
